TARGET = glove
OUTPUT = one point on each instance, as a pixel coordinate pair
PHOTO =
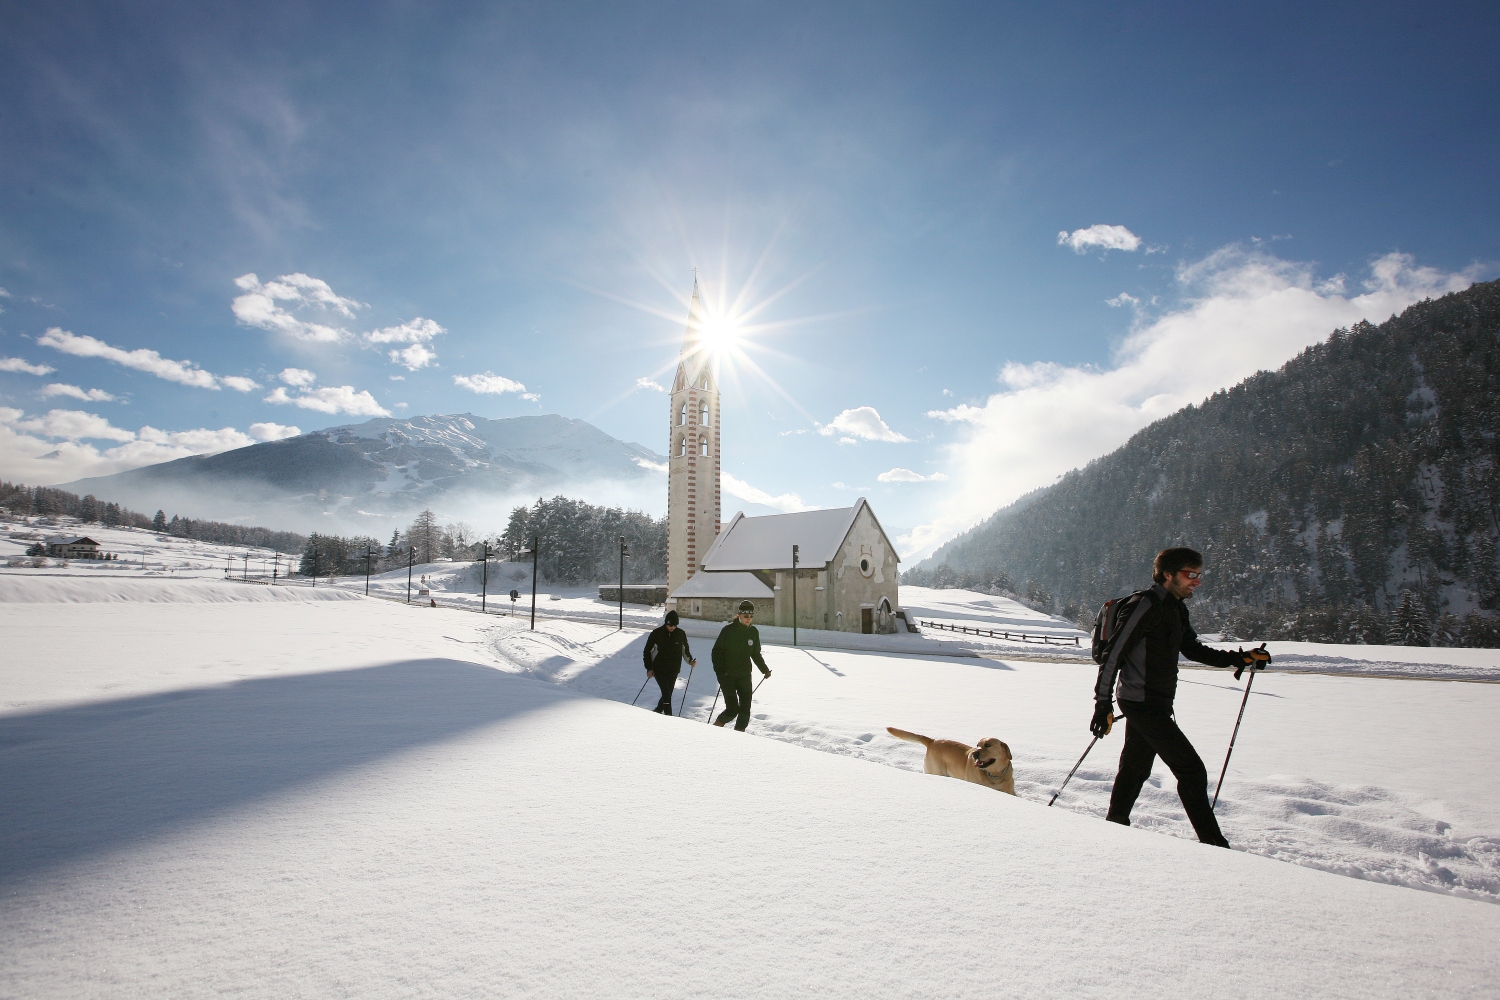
(1104, 720)
(1255, 659)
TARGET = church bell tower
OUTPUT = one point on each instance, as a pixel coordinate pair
(693, 453)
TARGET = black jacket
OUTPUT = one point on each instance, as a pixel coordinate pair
(1145, 655)
(666, 650)
(736, 646)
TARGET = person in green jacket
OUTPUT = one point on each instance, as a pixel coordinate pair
(738, 644)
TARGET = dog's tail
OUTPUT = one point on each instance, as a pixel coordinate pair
(902, 734)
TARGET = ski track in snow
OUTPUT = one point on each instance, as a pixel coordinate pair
(1360, 831)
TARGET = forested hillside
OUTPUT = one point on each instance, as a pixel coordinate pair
(1361, 477)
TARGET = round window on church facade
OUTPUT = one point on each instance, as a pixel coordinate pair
(865, 567)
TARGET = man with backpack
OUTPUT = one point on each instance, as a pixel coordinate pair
(1137, 642)
(666, 648)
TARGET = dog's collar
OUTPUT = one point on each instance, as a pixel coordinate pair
(1001, 776)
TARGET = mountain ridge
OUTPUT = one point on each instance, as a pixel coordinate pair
(1360, 478)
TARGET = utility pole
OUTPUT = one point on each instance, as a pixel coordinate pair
(275, 567)
(368, 553)
(411, 555)
(315, 567)
(794, 595)
(623, 553)
(245, 574)
(484, 585)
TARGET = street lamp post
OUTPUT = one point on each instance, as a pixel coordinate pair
(794, 595)
(484, 585)
(534, 547)
(411, 557)
(368, 553)
(623, 553)
(245, 574)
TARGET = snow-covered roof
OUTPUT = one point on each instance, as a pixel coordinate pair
(766, 542)
(70, 540)
(707, 584)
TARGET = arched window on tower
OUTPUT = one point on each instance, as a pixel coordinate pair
(703, 446)
(703, 414)
(681, 447)
(705, 381)
(682, 415)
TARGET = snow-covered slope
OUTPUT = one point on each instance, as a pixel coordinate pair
(362, 799)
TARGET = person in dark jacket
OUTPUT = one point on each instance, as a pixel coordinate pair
(666, 648)
(1141, 671)
(738, 644)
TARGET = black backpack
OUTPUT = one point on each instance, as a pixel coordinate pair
(1110, 620)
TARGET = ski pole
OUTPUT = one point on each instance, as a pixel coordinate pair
(1073, 772)
(685, 687)
(1234, 735)
(757, 686)
(715, 704)
(643, 687)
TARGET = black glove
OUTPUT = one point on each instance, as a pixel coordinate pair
(1255, 659)
(1104, 720)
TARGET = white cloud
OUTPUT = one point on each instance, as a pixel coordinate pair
(862, 422)
(899, 475)
(297, 377)
(30, 452)
(646, 383)
(71, 424)
(1241, 312)
(331, 399)
(273, 432)
(1123, 299)
(87, 395)
(648, 464)
(183, 372)
(491, 384)
(789, 503)
(1103, 237)
(413, 331)
(239, 383)
(414, 357)
(22, 365)
(261, 307)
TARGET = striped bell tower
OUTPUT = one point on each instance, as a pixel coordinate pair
(693, 454)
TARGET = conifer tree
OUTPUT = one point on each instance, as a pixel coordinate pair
(1410, 623)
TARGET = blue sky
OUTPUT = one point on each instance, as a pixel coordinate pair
(889, 182)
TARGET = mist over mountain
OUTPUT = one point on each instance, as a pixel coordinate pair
(367, 477)
(1352, 492)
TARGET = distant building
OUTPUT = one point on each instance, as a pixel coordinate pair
(73, 547)
(847, 572)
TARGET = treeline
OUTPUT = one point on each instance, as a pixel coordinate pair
(1361, 476)
(577, 543)
(45, 501)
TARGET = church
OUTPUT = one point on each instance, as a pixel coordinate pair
(839, 563)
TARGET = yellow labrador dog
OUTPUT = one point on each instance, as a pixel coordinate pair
(987, 764)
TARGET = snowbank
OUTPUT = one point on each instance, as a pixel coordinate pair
(31, 589)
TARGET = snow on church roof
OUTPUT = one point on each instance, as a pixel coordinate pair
(706, 584)
(766, 542)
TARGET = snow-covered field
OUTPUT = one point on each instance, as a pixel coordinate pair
(141, 553)
(312, 795)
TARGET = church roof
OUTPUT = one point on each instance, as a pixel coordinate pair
(766, 542)
(707, 584)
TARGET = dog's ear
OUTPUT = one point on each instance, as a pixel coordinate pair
(1005, 746)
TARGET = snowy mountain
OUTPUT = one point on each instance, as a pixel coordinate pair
(369, 475)
(1365, 469)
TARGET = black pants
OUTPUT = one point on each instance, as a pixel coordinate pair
(1151, 733)
(667, 681)
(737, 691)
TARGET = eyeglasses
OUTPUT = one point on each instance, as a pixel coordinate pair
(1192, 574)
